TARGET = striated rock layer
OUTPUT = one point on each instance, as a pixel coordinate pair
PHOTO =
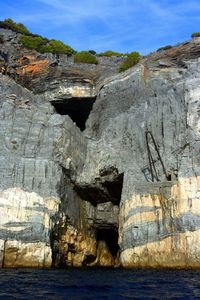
(123, 190)
(25, 222)
(159, 219)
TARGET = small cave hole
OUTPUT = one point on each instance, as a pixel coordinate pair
(77, 108)
(114, 188)
(89, 259)
(110, 237)
(169, 177)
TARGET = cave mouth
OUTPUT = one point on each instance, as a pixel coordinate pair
(106, 188)
(77, 108)
(110, 237)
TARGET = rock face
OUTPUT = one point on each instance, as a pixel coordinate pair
(24, 228)
(99, 168)
(158, 221)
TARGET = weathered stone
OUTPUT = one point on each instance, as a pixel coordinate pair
(58, 75)
(34, 255)
(152, 228)
(104, 257)
(25, 219)
(135, 168)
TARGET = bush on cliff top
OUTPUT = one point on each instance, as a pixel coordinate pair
(110, 53)
(31, 42)
(17, 27)
(44, 45)
(37, 42)
(92, 52)
(196, 34)
(60, 48)
(164, 48)
(132, 59)
(85, 57)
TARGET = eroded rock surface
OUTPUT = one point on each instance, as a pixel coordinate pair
(25, 223)
(36, 145)
(125, 189)
(158, 221)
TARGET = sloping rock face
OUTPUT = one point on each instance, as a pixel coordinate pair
(33, 144)
(24, 228)
(58, 75)
(44, 220)
(123, 190)
(148, 124)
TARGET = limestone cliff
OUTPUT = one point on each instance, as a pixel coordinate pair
(96, 167)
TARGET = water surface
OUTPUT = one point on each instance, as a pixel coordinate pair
(99, 284)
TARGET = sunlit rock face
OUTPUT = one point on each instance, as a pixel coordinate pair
(158, 221)
(33, 153)
(57, 75)
(161, 228)
(98, 171)
(78, 249)
(25, 223)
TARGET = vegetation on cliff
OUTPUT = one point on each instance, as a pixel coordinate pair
(132, 59)
(164, 48)
(36, 42)
(195, 34)
(44, 45)
(85, 57)
(17, 27)
(110, 53)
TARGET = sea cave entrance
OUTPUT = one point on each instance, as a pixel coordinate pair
(104, 193)
(110, 237)
(77, 108)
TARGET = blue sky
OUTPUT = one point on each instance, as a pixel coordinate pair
(119, 25)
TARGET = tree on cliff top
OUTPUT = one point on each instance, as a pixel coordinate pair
(132, 59)
(85, 57)
(195, 34)
(110, 53)
(44, 45)
(35, 41)
(17, 27)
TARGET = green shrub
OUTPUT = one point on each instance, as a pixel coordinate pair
(44, 45)
(92, 52)
(110, 53)
(132, 59)
(164, 48)
(35, 41)
(17, 27)
(21, 28)
(45, 48)
(195, 34)
(85, 57)
(32, 42)
(60, 48)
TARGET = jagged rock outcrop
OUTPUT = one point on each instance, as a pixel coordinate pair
(30, 162)
(24, 228)
(41, 153)
(122, 190)
(56, 75)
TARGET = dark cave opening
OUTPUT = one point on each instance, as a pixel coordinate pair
(110, 237)
(114, 188)
(77, 108)
(103, 189)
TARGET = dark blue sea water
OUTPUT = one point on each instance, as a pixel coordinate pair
(99, 284)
